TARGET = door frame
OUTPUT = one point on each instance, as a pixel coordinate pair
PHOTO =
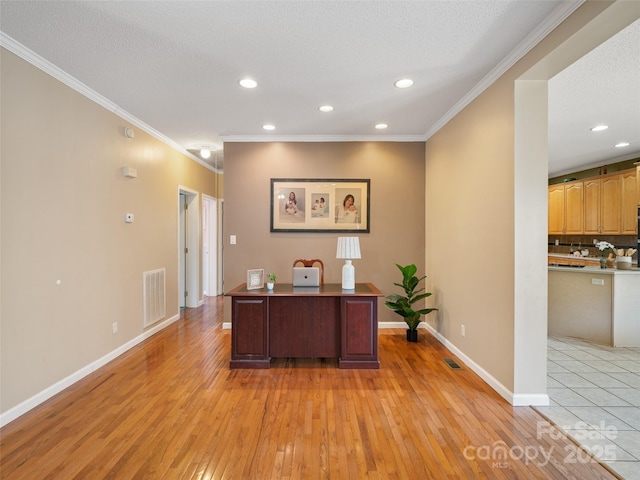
(193, 234)
(210, 256)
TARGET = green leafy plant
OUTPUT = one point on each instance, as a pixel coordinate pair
(272, 277)
(403, 304)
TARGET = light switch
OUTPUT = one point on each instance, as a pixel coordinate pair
(232, 239)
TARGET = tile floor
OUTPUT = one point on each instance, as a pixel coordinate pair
(594, 396)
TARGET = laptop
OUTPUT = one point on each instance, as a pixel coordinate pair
(306, 276)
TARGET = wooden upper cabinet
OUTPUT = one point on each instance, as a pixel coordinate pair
(611, 204)
(630, 195)
(638, 184)
(592, 207)
(607, 204)
(556, 209)
(573, 208)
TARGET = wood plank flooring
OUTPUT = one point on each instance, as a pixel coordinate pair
(170, 408)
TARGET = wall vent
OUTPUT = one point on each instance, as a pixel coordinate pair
(452, 364)
(153, 296)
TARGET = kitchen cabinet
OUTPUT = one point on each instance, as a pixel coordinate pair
(574, 208)
(638, 184)
(609, 205)
(592, 210)
(556, 209)
(630, 195)
(566, 208)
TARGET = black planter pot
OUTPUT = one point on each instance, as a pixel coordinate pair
(412, 335)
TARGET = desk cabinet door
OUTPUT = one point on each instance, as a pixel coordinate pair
(359, 330)
(249, 330)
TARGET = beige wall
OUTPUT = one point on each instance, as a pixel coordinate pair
(63, 205)
(486, 183)
(396, 171)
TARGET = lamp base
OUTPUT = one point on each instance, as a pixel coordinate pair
(348, 276)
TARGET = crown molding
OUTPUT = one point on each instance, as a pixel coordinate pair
(596, 164)
(551, 22)
(321, 138)
(47, 67)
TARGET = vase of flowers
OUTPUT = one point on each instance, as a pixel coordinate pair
(604, 247)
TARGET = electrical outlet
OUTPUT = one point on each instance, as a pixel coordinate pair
(462, 332)
(114, 327)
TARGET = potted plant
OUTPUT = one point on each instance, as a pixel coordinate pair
(403, 304)
(272, 279)
(604, 247)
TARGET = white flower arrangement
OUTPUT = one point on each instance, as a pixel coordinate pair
(604, 246)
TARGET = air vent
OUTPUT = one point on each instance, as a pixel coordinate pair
(452, 364)
(153, 296)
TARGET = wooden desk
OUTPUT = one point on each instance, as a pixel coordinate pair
(323, 322)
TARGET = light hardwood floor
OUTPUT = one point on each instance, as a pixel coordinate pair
(170, 408)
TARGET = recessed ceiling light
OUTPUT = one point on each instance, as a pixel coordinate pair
(404, 83)
(269, 127)
(621, 144)
(381, 126)
(205, 152)
(599, 128)
(248, 83)
(326, 108)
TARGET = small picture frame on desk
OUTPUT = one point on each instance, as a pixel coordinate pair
(255, 279)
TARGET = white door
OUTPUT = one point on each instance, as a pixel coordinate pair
(182, 250)
(210, 245)
(189, 292)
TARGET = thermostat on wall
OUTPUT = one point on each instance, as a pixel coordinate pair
(129, 172)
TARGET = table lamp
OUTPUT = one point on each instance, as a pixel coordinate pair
(348, 248)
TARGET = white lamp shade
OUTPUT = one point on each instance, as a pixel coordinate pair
(348, 247)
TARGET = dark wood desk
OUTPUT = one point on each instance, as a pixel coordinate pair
(322, 322)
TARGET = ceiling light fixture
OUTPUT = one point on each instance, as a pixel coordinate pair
(248, 83)
(404, 83)
(381, 126)
(326, 108)
(621, 144)
(269, 127)
(205, 152)
(599, 128)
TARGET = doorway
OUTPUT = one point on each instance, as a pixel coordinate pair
(209, 246)
(188, 248)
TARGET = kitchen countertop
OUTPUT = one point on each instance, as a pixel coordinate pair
(566, 255)
(596, 269)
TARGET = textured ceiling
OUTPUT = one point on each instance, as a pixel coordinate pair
(603, 87)
(174, 65)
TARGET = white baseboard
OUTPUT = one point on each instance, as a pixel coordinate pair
(530, 400)
(40, 397)
(517, 400)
